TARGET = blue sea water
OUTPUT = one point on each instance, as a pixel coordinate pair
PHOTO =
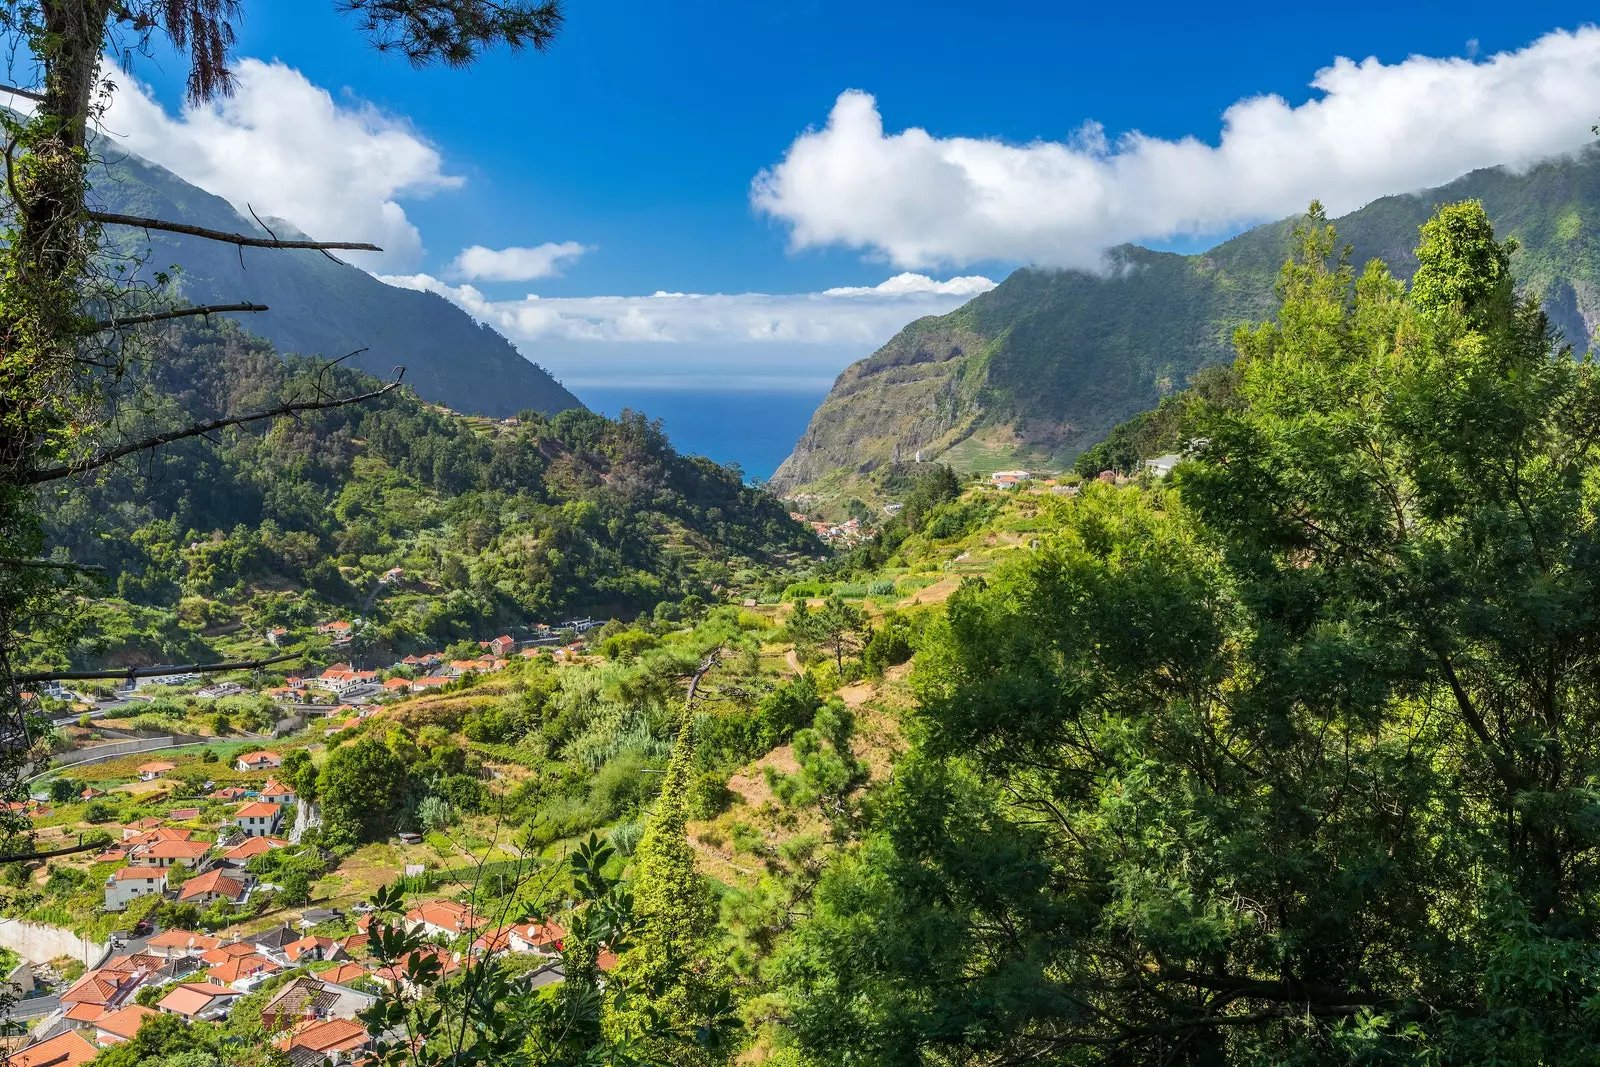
(754, 428)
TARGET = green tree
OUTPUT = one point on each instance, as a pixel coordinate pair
(1288, 762)
(363, 788)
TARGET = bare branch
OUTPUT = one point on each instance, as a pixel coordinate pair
(110, 455)
(25, 93)
(240, 239)
(178, 313)
(154, 672)
(10, 561)
(28, 857)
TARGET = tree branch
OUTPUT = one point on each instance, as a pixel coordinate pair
(100, 459)
(178, 313)
(26, 93)
(243, 240)
(50, 564)
(154, 672)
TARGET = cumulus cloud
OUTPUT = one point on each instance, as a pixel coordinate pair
(335, 169)
(860, 316)
(1373, 129)
(482, 264)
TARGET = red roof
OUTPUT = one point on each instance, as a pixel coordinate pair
(178, 849)
(123, 874)
(97, 987)
(125, 1022)
(259, 809)
(242, 967)
(344, 973)
(70, 1049)
(191, 998)
(182, 939)
(260, 757)
(253, 846)
(448, 915)
(212, 882)
(331, 1035)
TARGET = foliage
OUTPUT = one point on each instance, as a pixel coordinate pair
(1290, 762)
(364, 788)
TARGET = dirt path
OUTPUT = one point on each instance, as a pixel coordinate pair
(793, 661)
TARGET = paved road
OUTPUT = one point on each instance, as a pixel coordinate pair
(34, 1007)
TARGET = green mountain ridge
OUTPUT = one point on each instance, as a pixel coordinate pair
(319, 305)
(1048, 362)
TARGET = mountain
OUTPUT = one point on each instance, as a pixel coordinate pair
(431, 526)
(1046, 363)
(321, 306)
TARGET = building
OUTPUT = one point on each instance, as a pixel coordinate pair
(149, 772)
(242, 853)
(543, 938)
(70, 1049)
(398, 686)
(243, 972)
(164, 854)
(275, 792)
(258, 761)
(107, 988)
(276, 636)
(1162, 466)
(121, 1025)
(345, 973)
(338, 1041)
(129, 883)
(170, 943)
(214, 885)
(199, 1001)
(258, 818)
(1008, 479)
(443, 918)
(501, 646)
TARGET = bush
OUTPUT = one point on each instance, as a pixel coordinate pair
(710, 796)
(99, 811)
(63, 790)
(625, 836)
(881, 587)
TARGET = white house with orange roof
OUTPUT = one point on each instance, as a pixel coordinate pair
(214, 885)
(198, 1001)
(443, 918)
(275, 792)
(258, 761)
(258, 818)
(127, 884)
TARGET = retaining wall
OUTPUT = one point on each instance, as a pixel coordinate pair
(40, 942)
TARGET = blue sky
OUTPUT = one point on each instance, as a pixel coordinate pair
(638, 136)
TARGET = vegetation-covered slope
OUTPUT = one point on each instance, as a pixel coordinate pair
(319, 306)
(493, 524)
(1048, 362)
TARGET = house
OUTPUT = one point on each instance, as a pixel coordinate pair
(399, 686)
(149, 772)
(1162, 466)
(275, 792)
(272, 941)
(427, 659)
(345, 973)
(277, 635)
(172, 943)
(223, 953)
(393, 977)
(69, 1049)
(294, 681)
(1008, 479)
(443, 918)
(108, 987)
(143, 826)
(336, 1040)
(164, 854)
(432, 681)
(199, 1001)
(243, 972)
(121, 1025)
(242, 853)
(230, 792)
(500, 647)
(258, 761)
(212, 886)
(258, 818)
(183, 814)
(300, 1001)
(543, 938)
(127, 883)
(340, 631)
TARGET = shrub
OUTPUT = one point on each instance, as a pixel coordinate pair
(881, 587)
(710, 796)
(99, 811)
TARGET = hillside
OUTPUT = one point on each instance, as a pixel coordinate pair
(320, 306)
(1049, 361)
(494, 524)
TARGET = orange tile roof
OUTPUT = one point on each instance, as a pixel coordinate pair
(158, 767)
(96, 987)
(253, 846)
(191, 998)
(125, 1022)
(70, 1049)
(295, 949)
(257, 757)
(212, 882)
(448, 915)
(344, 973)
(139, 873)
(241, 967)
(330, 1036)
(183, 939)
(187, 850)
(85, 1013)
(231, 951)
(260, 809)
(275, 788)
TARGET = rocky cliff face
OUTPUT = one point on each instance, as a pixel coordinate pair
(1045, 364)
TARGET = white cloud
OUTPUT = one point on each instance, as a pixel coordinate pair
(860, 316)
(925, 201)
(285, 147)
(514, 264)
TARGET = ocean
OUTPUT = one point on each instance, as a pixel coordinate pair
(754, 428)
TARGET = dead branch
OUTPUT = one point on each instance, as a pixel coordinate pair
(10, 561)
(26, 93)
(29, 857)
(178, 313)
(110, 455)
(153, 672)
(240, 239)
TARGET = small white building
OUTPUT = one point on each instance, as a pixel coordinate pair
(1162, 466)
(129, 883)
(258, 819)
